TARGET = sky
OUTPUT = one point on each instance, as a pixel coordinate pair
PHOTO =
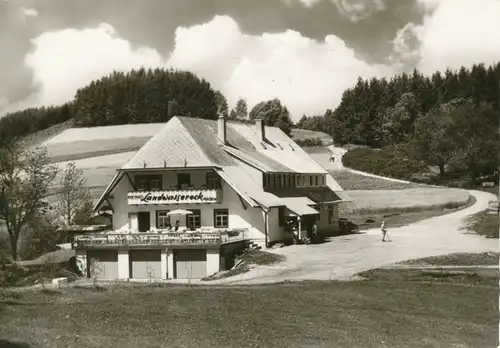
(304, 52)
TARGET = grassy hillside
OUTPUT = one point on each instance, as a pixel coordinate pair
(302, 134)
(40, 137)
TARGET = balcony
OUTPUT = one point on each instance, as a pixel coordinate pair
(214, 237)
(187, 196)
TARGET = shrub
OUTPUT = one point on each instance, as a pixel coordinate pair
(390, 161)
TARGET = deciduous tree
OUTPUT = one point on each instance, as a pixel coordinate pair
(73, 197)
(274, 113)
(25, 177)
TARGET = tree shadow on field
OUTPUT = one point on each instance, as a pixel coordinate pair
(9, 344)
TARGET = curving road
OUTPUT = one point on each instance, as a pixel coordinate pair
(342, 257)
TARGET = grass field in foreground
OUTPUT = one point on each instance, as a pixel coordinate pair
(358, 314)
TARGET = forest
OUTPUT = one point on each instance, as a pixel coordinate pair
(140, 96)
(449, 120)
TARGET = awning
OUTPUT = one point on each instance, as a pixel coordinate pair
(299, 205)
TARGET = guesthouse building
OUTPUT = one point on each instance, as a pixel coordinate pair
(201, 189)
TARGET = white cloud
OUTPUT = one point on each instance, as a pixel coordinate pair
(454, 33)
(307, 75)
(66, 60)
(28, 12)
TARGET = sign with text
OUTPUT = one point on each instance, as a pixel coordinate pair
(173, 197)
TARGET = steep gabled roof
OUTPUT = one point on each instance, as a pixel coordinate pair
(173, 146)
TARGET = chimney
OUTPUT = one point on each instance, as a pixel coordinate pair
(221, 129)
(261, 128)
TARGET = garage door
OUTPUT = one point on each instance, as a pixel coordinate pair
(190, 263)
(145, 264)
(103, 263)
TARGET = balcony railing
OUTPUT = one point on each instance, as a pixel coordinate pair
(159, 238)
(175, 196)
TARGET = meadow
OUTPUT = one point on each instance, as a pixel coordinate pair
(407, 200)
(390, 308)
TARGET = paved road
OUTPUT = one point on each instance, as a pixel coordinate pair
(342, 257)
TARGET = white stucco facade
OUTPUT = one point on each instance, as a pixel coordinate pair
(241, 215)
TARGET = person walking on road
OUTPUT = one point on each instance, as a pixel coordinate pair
(383, 227)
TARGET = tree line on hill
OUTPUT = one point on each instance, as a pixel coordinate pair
(141, 96)
(447, 120)
(400, 113)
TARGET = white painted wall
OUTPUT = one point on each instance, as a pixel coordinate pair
(274, 231)
(213, 261)
(123, 264)
(239, 216)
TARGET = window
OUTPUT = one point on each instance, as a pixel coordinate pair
(283, 180)
(148, 182)
(221, 218)
(281, 216)
(316, 180)
(311, 180)
(305, 182)
(289, 180)
(155, 184)
(323, 179)
(278, 180)
(213, 181)
(264, 180)
(162, 219)
(194, 220)
(299, 180)
(183, 180)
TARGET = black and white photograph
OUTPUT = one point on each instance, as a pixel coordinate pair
(249, 174)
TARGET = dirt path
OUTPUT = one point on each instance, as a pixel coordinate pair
(344, 256)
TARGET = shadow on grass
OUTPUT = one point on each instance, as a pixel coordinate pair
(49, 291)
(10, 344)
(94, 288)
(483, 224)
